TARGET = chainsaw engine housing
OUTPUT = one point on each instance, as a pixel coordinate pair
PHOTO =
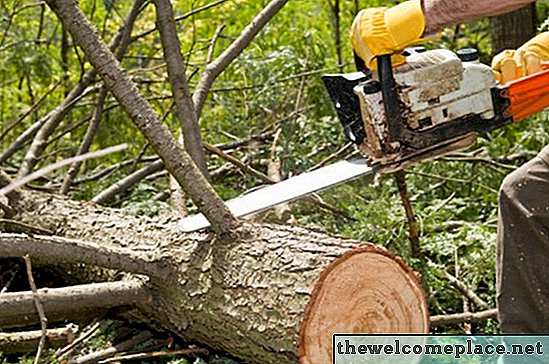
(440, 101)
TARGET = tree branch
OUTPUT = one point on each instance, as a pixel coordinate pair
(39, 308)
(57, 250)
(176, 160)
(185, 111)
(126, 182)
(456, 318)
(61, 304)
(40, 140)
(230, 54)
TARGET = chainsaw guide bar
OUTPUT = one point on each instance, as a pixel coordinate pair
(288, 190)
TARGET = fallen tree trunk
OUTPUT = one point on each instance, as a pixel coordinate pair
(257, 298)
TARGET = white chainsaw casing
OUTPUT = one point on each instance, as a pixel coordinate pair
(437, 87)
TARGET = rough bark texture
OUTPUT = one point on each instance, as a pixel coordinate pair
(510, 31)
(247, 297)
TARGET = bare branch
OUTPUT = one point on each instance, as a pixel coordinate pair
(52, 167)
(86, 142)
(456, 318)
(113, 350)
(176, 160)
(127, 182)
(74, 302)
(26, 342)
(185, 110)
(182, 17)
(467, 292)
(57, 250)
(39, 309)
(156, 354)
(238, 163)
(230, 54)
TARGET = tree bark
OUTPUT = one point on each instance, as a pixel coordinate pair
(511, 30)
(263, 294)
(185, 110)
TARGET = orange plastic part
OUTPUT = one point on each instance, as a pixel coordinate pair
(529, 94)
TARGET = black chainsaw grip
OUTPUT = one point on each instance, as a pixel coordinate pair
(390, 95)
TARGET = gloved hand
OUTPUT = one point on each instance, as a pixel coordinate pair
(512, 64)
(377, 31)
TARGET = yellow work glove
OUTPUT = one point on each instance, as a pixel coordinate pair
(377, 31)
(512, 64)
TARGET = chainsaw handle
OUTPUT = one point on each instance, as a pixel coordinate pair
(389, 93)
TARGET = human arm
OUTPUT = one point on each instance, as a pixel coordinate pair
(441, 13)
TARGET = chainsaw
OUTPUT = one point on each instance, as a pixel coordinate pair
(434, 104)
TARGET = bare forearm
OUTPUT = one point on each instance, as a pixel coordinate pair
(441, 13)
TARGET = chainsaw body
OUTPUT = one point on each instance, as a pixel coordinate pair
(434, 104)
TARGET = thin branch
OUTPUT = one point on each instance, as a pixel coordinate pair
(65, 351)
(113, 350)
(185, 110)
(467, 292)
(39, 309)
(181, 17)
(52, 167)
(68, 303)
(175, 158)
(211, 49)
(230, 54)
(456, 318)
(155, 354)
(413, 229)
(87, 141)
(31, 110)
(58, 250)
(243, 166)
(126, 182)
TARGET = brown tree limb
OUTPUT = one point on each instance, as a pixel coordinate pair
(26, 342)
(58, 250)
(21, 140)
(413, 229)
(230, 54)
(185, 111)
(126, 182)
(238, 163)
(86, 142)
(56, 116)
(42, 172)
(155, 354)
(66, 350)
(467, 292)
(39, 308)
(68, 303)
(440, 320)
(113, 350)
(176, 160)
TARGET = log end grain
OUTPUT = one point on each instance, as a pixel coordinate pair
(367, 290)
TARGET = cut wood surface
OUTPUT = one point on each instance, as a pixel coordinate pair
(368, 290)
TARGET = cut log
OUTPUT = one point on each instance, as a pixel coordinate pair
(368, 290)
(251, 297)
